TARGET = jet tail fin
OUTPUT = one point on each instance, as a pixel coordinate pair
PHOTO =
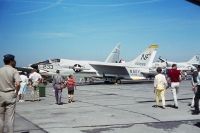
(113, 57)
(145, 59)
(195, 59)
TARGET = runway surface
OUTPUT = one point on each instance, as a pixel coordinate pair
(124, 108)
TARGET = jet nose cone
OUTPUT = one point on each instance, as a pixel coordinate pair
(35, 66)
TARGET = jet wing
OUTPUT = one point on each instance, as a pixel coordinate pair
(110, 70)
(121, 72)
(149, 75)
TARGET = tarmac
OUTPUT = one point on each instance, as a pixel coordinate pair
(122, 108)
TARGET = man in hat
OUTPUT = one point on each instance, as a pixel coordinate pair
(197, 93)
(9, 87)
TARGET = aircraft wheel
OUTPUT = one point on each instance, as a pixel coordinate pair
(106, 82)
(118, 81)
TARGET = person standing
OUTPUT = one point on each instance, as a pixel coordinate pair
(23, 86)
(35, 78)
(160, 84)
(58, 85)
(174, 76)
(9, 87)
(194, 84)
(71, 84)
(197, 93)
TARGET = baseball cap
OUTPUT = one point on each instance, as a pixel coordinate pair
(9, 57)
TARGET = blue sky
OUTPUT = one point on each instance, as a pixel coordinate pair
(35, 30)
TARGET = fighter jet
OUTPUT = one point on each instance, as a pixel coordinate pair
(137, 69)
(183, 66)
(67, 66)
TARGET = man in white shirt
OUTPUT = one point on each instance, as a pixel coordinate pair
(35, 79)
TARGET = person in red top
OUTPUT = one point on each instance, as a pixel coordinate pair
(71, 84)
(174, 77)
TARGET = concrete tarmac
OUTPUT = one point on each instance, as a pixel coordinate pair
(124, 108)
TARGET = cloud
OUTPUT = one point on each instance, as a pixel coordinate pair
(114, 5)
(55, 34)
(58, 2)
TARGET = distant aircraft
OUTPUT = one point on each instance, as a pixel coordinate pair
(67, 66)
(114, 56)
(137, 69)
(183, 66)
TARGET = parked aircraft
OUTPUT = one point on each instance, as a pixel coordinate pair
(67, 66)
(137, 69)
(24, 69)
(183, 66)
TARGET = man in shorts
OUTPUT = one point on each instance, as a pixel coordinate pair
(71, 84)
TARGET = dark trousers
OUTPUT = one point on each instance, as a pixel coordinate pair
(58, 95)
(196, 99)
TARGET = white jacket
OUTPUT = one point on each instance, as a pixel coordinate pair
(160, 78)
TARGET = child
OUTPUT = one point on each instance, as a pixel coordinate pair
(71, 84)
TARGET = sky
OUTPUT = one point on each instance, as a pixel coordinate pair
(36, 30)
